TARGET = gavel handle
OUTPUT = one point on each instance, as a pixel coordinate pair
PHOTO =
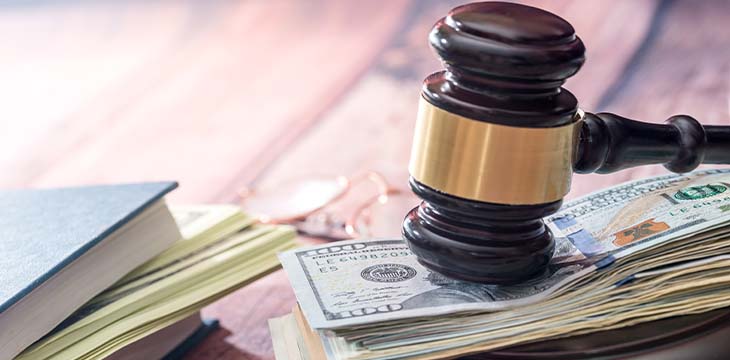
(609, 143)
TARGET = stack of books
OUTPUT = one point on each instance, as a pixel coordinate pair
(113, 272)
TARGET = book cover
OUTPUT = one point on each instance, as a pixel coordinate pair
(42, 231)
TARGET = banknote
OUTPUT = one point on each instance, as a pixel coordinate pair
(221, 253)
(360, 282)
(680, 290)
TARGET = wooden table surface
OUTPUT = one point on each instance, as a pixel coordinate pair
(220, 94)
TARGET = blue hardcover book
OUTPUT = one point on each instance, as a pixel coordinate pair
(61, 247)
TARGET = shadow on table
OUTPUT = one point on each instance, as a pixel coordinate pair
(215, 346)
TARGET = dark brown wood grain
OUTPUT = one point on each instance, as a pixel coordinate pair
(609, 143)
(219, 94)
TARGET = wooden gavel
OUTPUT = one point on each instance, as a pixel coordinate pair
(497, 140)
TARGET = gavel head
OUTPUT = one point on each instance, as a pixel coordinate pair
(494, 142)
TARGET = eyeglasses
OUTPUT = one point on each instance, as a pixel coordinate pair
(333, 207)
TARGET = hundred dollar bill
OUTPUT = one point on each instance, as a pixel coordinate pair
(360, 282)
(681, 290)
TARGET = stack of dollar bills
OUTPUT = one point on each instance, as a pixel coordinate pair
(221, 251)
(637, 252)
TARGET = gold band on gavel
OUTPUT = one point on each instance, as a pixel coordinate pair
(492, 163)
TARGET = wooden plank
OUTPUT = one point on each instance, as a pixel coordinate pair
(175, 90)
(245, 315)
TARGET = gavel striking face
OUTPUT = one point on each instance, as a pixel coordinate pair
(497, 140)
